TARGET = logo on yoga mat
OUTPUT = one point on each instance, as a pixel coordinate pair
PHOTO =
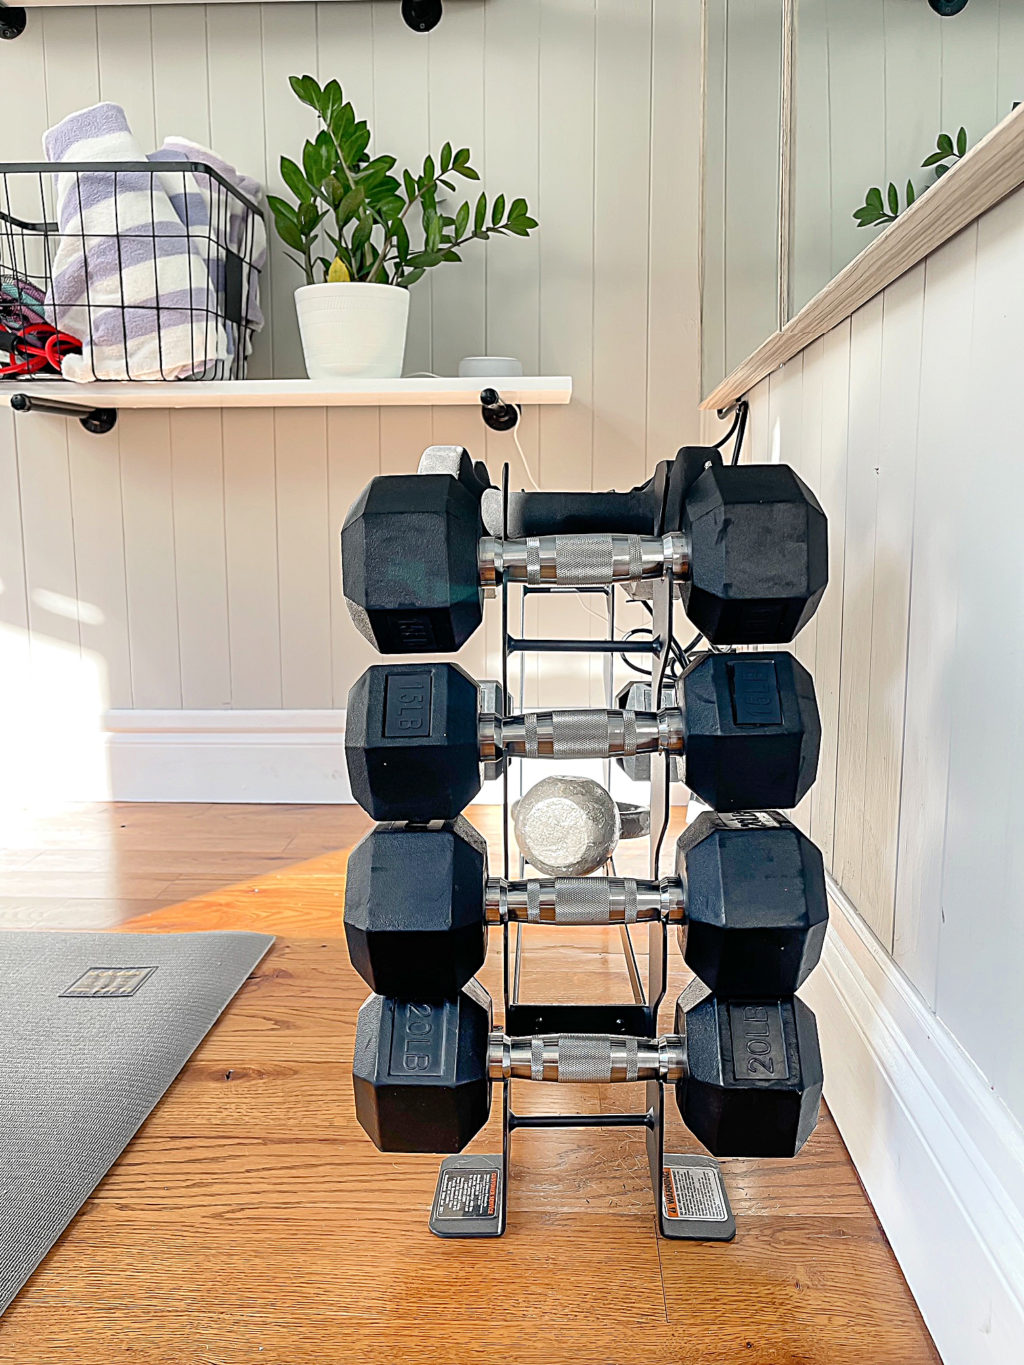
(107, 983)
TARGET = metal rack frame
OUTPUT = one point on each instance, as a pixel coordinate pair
(640, 1015)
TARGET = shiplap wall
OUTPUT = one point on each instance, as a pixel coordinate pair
(898, 418)
(189, 560)
(740, 241)
(874, 84)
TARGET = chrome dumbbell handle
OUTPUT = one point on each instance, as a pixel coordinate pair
(583, 900)
(581, 560)
(581, 734)
(591, 1058)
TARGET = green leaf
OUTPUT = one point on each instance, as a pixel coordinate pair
(518, 209)
(361, 236)
(295, 180)
(412, 277)
(428, 168)
(432, 231)
(350, 205)
(307, 90)
(945, 143)
(402, 241)
(940, 171)
(874, 198)
(410, 186)
(282, 209)
(452, 256)
(481, 212)
(894, 199)
(356, 143)
(310, 218)
(498, 210)
(446, 157)
(289, 233)
(462, 219)
(331, 101)
(961, 142)
(911, 193)
(467, 171)
(934, 159)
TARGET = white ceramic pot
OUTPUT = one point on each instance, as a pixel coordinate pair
(353, 330)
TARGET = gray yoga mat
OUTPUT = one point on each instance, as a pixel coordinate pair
(93, 1029)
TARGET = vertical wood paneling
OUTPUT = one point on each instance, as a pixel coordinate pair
(148, 500)
(250, 546)
(238, 122)
(981, 948)
(945, 431)
(287, 48)
(673, 305)
(402, 128)
(754, 47)
(858, 594)
(459, 292)
(98, 520)
(181, 103)
(197, 480)
(353, 458)
(621, 240)
(811, 248)
(914, 78)
(856, 42)
(305, 563)
(124, 45)
(828, 658)
(713, 239)
(970, 66)
(896, 456)
(1010, 56)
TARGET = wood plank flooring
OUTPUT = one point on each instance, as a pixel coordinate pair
(252, 1221)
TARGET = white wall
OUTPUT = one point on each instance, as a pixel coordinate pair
(741, 150)
(901, 419)
(189, 560)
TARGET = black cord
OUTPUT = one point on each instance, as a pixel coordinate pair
(738, 428)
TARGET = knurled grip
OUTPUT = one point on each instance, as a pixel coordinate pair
(586, 1058)
(583, 900)
(580, 734)
(586, 559)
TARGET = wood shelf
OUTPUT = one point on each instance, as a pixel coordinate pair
(303, 393)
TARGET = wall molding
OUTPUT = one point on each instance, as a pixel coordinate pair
(940, 1156)
(231, 756)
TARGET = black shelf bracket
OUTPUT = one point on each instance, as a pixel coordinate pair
(12, 21)
(96, 420)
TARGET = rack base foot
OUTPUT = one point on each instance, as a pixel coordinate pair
(470, 1197)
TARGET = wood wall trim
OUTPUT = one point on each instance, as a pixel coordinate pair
(987, 174)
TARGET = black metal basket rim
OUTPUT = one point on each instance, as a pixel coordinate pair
(113, 167)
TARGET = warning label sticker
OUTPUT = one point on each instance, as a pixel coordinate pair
(467, 1194)
(694, 1193)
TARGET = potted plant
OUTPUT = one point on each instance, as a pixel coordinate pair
(363, 234)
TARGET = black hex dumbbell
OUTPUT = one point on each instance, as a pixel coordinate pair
(748, 898)
(749, 550)
(747, 727)
(747, 1073)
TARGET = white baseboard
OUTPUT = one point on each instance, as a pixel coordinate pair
(231, 756)
(264, 756)
(939, 1155)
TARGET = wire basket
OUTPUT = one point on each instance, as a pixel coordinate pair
(152, 266)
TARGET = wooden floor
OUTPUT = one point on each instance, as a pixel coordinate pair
(252, 1221)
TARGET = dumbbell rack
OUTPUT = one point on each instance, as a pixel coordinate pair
(684, 1187)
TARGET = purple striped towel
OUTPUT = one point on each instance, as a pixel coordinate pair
(127, 277)
(222, 223)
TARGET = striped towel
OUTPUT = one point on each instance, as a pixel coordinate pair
(127, 278)
(223, 225)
